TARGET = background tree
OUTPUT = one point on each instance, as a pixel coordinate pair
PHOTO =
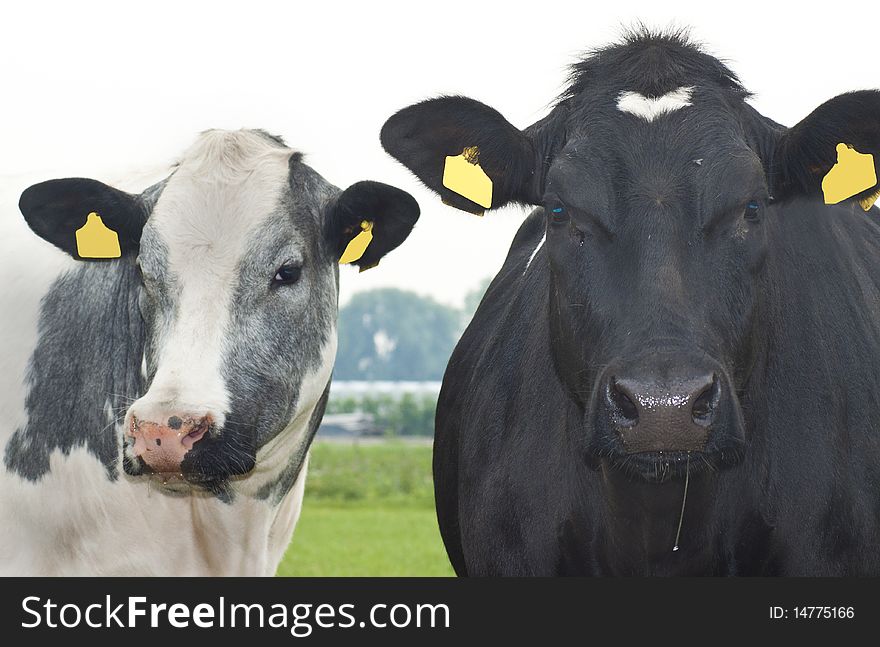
(392, 334)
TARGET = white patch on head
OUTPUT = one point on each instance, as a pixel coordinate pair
(535, 252)
(224, 187)
(649, 108)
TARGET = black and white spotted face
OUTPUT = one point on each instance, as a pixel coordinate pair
(236, 255)
(239, 301)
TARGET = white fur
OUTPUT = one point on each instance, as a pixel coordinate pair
(74, 520)
(205, 217)
(535, 252)
(650, 108)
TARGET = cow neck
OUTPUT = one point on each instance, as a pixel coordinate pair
(644, 519)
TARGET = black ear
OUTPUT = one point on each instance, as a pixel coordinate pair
(806, 153)
(386, 211)
(423, 135)
(56, 209)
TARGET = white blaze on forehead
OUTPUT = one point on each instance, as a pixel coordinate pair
(226, 185)
(649, 108)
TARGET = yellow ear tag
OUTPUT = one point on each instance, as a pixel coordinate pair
(463, 175)
(853, 173)
(358, 245)
(95, 240)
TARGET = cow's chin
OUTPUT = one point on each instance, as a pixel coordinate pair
(171, 483)
(185, 482)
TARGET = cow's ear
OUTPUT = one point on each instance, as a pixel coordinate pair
(368, 220)
(842, 132)
(465, 151)
(85, 218)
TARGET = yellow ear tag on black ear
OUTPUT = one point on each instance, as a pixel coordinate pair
(853, 173)
(358, 245)
(96, 240)
(464, 175)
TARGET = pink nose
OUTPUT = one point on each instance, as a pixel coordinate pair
(162, 445)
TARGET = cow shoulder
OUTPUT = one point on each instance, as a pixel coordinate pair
(502, 408)
(516, 294)
(824, 279)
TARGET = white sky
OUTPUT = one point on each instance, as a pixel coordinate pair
(98, 88)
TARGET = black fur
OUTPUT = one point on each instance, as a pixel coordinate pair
(393, 213)
(55, 209)
(652, 64)
(423, 135)
(808, 151)
(653, 258)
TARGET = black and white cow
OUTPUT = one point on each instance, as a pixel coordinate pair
(677, 369)
(158, 408)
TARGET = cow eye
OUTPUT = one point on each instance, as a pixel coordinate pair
(557, 211)
(752, 211)
(287, 274)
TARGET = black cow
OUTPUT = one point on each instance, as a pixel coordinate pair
(677, 369)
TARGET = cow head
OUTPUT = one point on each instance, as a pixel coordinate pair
(237, 252)
(656, 181)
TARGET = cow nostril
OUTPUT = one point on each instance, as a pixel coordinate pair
(626, 409)
(704, 405)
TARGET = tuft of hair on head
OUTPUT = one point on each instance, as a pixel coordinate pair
(651, 62)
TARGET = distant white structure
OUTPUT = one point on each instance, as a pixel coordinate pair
(348, 424)
(357, 388)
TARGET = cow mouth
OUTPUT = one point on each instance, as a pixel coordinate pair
(194, 436)
(663, 466)
(205, 465)
(180, 482)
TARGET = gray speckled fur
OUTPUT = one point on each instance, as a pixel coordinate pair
(89, 352)
(276, 490)
(277, 337)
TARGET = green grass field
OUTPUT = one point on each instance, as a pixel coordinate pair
(368, 511)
